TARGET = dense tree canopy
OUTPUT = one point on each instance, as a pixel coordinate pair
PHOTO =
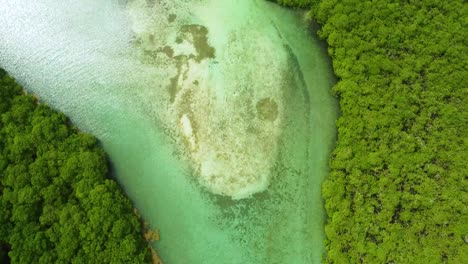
(57, 204)
(297, 3)
(398, 190)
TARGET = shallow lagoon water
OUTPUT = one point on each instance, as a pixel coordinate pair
(216, 115)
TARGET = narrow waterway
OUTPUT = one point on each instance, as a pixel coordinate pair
(216, 114)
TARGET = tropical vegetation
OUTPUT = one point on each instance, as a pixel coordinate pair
(398, 189)
(57, 203)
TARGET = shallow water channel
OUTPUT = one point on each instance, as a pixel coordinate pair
(216, 114)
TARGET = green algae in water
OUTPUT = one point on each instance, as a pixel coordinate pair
(216, 115)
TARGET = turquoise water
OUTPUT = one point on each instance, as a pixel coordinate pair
(216, 115)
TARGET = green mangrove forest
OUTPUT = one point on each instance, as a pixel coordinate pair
(397, 192)
(384, 179)
(57, 203)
